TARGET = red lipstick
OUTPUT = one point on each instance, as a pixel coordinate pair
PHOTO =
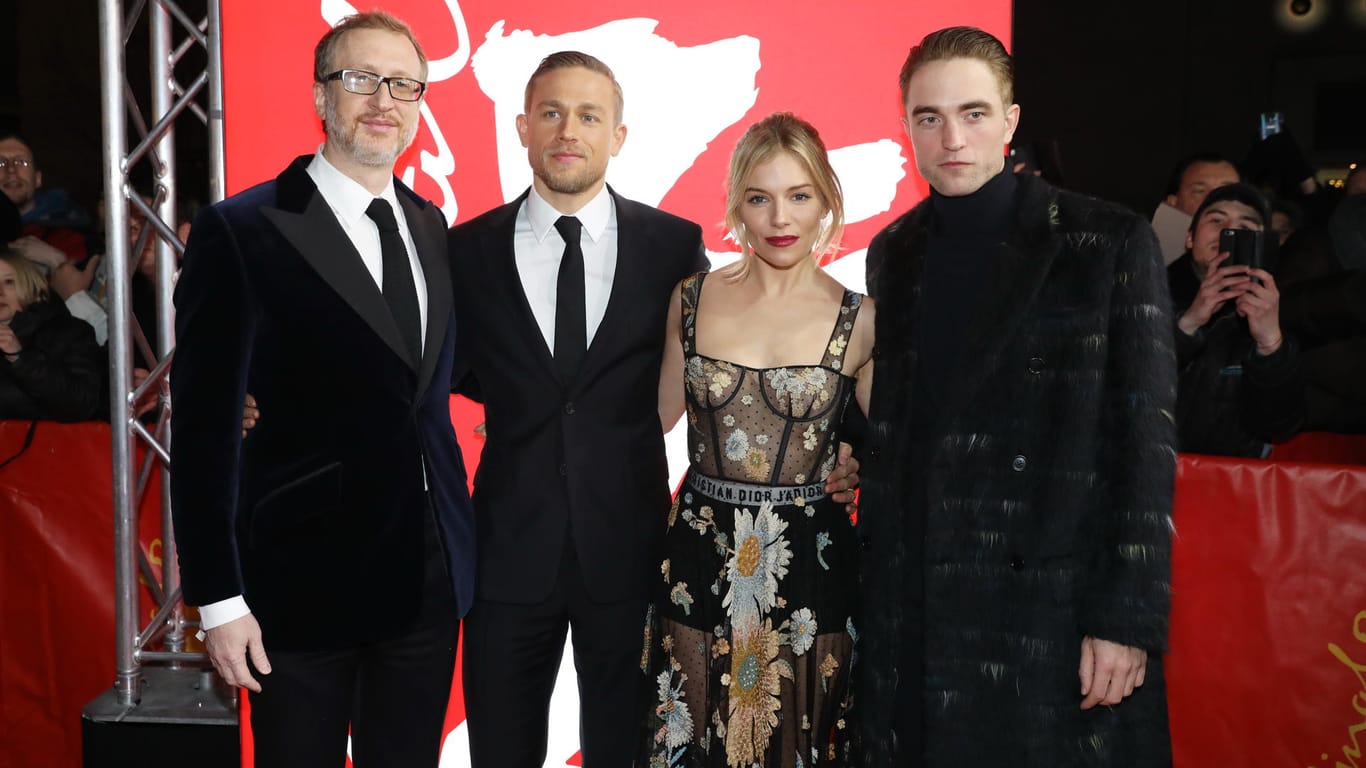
(781, 241)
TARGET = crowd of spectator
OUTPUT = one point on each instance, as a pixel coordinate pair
(1265, 351)
(54, 324)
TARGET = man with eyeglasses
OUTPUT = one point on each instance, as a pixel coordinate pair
(20, 179)
(330, 557)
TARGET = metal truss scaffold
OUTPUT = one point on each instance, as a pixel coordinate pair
(157, 648)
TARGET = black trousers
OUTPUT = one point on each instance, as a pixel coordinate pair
(512, 656)
(391, 694)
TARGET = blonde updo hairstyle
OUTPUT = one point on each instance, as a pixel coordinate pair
(783, 132)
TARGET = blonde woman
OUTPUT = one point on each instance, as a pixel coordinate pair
(50, 366)
(750, 638)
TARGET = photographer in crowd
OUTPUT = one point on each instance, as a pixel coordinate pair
(1241, 386)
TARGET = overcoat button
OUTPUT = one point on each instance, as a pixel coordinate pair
(1016, 562)
(564, 470)
(1019, 463)
(1036, 365)
(569, 409)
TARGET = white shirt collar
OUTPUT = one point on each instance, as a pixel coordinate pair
(595, 215)
(347, 198)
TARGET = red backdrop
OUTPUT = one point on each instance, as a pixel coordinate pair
(695, 75)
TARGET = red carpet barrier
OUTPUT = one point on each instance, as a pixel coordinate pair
(1268, 640)
(1268, 661)
(57, 587)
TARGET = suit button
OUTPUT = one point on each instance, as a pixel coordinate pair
(1036, 365)
(1016, 562)
(865, 543)
(1019, 463)
(569, 409)
(564, 470)
(874, 454)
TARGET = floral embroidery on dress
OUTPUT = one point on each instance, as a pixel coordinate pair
(756, 465)
(676, 728)
(756, 675)
(803, 632)
(837, 345)
(759, 560)
(751, 618)
(681, 598)
(737, 445)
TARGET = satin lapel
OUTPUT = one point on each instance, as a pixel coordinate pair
(1022, 266)
(632, 246)
(320, 240)
(429, 238)
(496, 246)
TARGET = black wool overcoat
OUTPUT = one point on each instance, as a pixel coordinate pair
(1045, 510)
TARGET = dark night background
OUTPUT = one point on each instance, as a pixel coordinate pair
(1125, 89)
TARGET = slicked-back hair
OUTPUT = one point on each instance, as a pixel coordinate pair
(568, 59)
(777, 133)
(962, 43)
(29, 282)
(326, 49)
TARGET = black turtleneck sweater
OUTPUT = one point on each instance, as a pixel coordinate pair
(966, 234)
(965, 240)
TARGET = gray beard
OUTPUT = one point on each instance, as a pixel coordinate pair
(368, 156)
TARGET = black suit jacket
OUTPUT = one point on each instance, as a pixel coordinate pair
(317, 517)
(583, 458)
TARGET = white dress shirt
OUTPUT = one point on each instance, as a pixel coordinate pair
(538, 248)
(348, 201)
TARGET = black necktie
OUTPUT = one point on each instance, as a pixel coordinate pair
(399, 291)
(571, 334)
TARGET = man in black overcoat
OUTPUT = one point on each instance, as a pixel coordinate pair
(1017, 492)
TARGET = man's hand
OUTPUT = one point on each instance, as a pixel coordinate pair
(9, 343)
(250, 413)
(1110, 671)
(230, 644)
(1260, 304)
(39, 252)
(68, 279)
(1220, 285)
(842, 481)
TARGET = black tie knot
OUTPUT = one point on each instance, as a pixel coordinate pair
(382, 214)
(569, 228)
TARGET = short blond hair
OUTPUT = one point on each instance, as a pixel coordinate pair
(327, 46)
(784, 132)
(962, 43)
(29, 282)
(568, 59)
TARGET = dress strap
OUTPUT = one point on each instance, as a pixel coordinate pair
(690, 292)
(843, 330)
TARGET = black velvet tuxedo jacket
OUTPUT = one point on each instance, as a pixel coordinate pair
(317, 516)
(582, 458)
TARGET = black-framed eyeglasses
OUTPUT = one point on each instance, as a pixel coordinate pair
(366, 83)
(20, 163)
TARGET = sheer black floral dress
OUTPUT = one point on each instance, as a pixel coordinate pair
(750, 640)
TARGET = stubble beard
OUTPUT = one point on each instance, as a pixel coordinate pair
(368, 154)
(567, 182)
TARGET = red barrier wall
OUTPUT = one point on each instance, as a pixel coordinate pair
(57, 586)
